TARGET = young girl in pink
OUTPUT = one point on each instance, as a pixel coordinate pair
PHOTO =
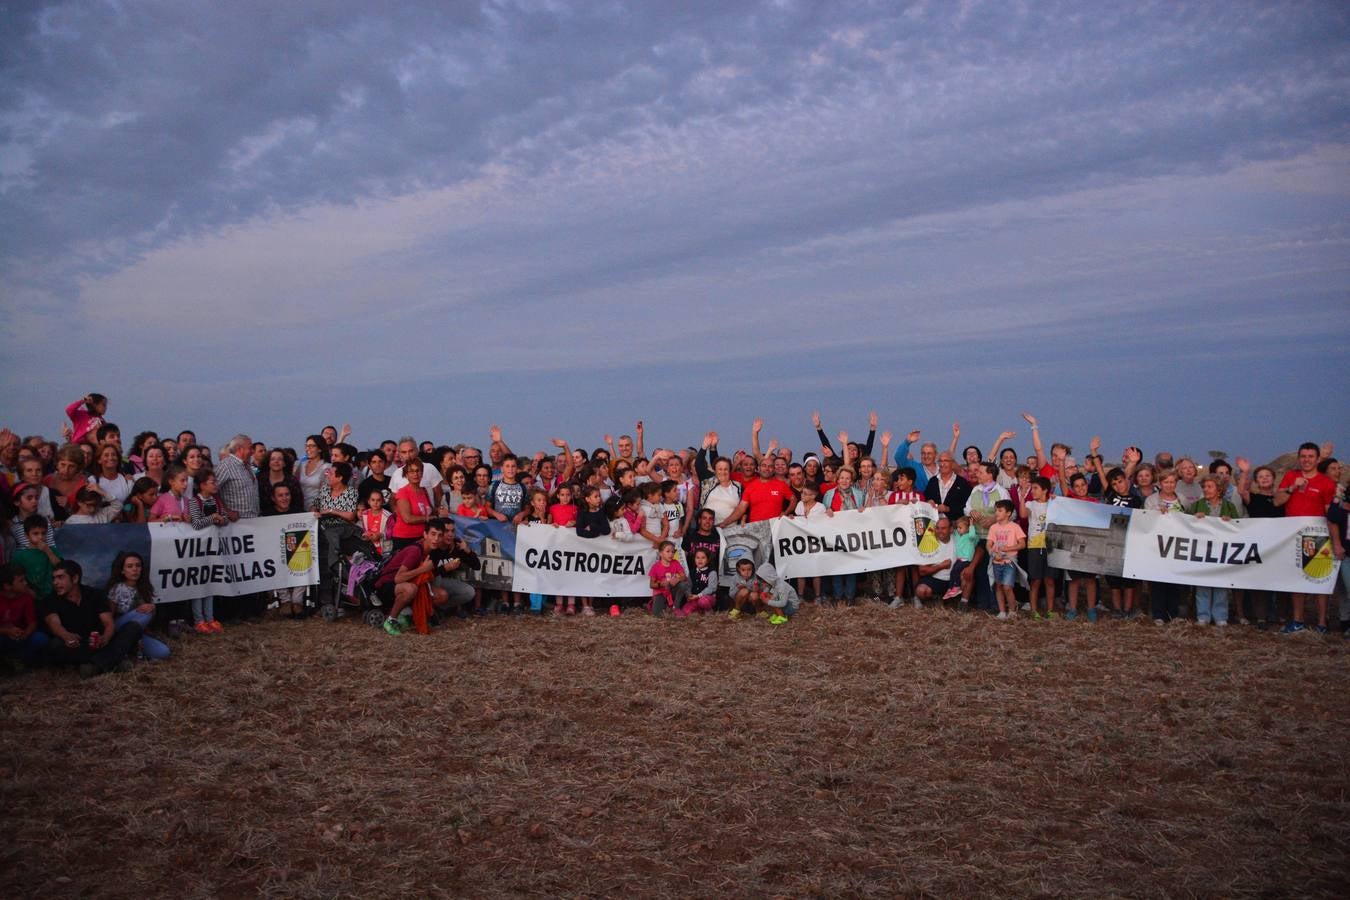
(669, 581)
(173, 505)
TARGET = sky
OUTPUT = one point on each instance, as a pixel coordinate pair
(561, 217)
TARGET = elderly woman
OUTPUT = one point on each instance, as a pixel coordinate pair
(337, 517)
(68, 478)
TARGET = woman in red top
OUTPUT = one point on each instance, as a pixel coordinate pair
(412, 508)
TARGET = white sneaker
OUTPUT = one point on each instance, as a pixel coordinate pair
(895, 604)
(1025, 607)
(1002, 617)
(1221, 624)
(1159, 622)
(918, 604)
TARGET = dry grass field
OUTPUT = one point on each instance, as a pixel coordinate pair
(851, 752)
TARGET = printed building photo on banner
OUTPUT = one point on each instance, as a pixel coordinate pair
(1090, 537)
(754, 540)
(495, 544)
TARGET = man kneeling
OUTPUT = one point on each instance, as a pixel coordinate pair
(407, 573)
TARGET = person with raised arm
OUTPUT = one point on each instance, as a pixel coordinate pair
(926, 467)
(1050, 465)
(626, 450)
(86, 415)
(861, 450)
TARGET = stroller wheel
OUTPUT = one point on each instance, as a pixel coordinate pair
(329, 612)
(374, 617)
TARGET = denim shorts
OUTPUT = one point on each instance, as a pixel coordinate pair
(1005, 574)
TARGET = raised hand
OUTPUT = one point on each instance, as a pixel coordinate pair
(638, 426)
(773, 445)
(1031, 420)
(815, 419)
(1244, 464)
(1095, 445)
(843, 440)
(872, 420)
(956, 429)
(560, 443)
(1007, 435)
(912, 436)
(609, 440)
(885, 439)
(715, 440)
(1327, 449)
(757, 425)
(495, 433)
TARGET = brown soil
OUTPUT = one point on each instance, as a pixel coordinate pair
(850, 752)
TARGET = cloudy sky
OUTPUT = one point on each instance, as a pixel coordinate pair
(1132, 219)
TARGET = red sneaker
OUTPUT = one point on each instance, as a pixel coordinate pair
(216, 627)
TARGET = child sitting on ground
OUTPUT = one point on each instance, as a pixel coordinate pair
(778, 594)
(745, 590)
(703, 584)
(669, 581)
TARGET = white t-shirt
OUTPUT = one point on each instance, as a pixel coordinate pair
(723, 499)
(430, 478)
(817, 511)
(118, 488)
(945, 551)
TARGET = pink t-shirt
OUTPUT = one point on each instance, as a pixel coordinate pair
(169, 505)
(1004, 535)
(660, 570)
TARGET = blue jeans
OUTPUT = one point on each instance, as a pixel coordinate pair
(1211, 603)
(27, 650)
(153, 647)
(844, 586)
(203, 609)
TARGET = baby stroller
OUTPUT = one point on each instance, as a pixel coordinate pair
(358, 566)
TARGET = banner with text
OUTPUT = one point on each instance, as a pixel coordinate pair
(866, 540)
(556, 561)
(1293, 554)
(243, 557)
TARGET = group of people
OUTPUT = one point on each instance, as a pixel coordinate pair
(400, 499)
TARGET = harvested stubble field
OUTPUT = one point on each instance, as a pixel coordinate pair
(852, 752)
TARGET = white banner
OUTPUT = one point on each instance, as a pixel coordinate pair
(1293, 554)
(244, 557)
(881, 537)
(556, 561)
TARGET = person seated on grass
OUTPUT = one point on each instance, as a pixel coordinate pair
(407, 571)
(779, 595)
(941, 578)
(131, 598)
(81, 626)
(669, 581)
(702, 582)
(21, 643)
(745, 590)
(451, 558)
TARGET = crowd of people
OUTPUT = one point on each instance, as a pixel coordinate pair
(400, 498)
